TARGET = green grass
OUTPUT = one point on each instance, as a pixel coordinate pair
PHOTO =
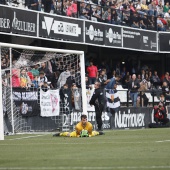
(118, 149)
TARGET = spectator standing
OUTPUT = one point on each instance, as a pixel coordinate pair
(46, 71)
(166, 7)
(35, 70)
(54, 80)
(98, 100)
(63, 77)
(34, 5)
(35, 82)
(92, 73)
(47, 5)
(42, 78)
(15, 78)
(133, 87)
(24, 79)
(142, 90)
(112, 82)
(102, 79)
(155, 80)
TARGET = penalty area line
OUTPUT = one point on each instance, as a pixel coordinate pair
(162, 141)
(84, 168)
(27, 137)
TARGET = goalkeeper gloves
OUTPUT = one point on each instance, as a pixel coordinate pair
(84, 133)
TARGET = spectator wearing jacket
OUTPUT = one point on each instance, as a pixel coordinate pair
(133, 87)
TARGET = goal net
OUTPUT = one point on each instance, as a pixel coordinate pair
(41, 88)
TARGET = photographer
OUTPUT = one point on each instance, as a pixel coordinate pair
(160, 116)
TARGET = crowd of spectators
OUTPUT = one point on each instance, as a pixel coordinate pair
(152, 15)
(61, 73)
(149, 80)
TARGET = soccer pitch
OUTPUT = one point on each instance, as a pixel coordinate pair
(117, 149)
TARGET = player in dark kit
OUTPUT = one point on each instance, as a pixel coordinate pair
(98, 100)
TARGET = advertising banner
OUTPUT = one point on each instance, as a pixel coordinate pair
(94, 33)
(113, 36)
(164, 41)
(18, 21)
(139, 39)
(131, 118)
(60, 28)
(5, 19)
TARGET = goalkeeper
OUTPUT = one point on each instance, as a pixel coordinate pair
(82, 129)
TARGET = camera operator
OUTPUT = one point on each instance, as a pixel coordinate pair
(160, 115)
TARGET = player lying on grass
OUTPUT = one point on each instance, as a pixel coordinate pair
(82, 129)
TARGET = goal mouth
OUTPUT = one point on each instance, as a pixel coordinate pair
(31, 71)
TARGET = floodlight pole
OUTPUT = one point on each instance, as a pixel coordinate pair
(1, 106)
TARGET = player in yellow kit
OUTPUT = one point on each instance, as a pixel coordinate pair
(82, 129)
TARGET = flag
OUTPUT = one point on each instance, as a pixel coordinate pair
(49, 103)
(113, 100)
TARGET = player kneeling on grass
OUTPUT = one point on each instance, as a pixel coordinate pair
(82, 129)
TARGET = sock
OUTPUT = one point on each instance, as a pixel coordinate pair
(64, 134)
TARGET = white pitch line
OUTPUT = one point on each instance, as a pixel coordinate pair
(26, 137)
(163, 141)
(69, 143)
(84, 168)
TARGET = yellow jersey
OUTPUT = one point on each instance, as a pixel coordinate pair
(79, 127)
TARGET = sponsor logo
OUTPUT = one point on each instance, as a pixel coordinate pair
(4, 23)
(145, 39)
(75, 117)
(129, 120)
(94, 34)
(22, 25)
(153, 45)
(114, 37)
(60, 27)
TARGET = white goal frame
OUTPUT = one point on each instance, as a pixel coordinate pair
(82, 67)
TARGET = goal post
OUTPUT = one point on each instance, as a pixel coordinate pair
(1, 106)
(42, 49)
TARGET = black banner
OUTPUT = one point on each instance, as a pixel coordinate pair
(94, 33)
(60, 28)
(132, 118)
(5, 19)
(139, 39)
(164, 41)
(113, 36)
(18, 21)
(26, 102)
